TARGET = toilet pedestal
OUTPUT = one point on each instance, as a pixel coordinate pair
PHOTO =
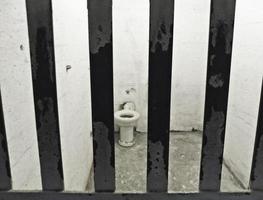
(126, 119)
(126, 136)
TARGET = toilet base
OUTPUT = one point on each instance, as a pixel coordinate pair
(126, 144)
(126, 136)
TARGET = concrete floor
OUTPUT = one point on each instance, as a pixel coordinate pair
(185, 148)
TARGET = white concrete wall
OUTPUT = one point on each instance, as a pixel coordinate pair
(71, 48)
(245, 86)
(191, 27)
(130, 55)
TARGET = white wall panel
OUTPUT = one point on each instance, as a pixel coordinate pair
(190, 50)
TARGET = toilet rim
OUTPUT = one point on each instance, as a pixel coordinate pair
(135, 115)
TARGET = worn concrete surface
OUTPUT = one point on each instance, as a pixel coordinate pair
(185, 148)
(130, 165)
(184, 166)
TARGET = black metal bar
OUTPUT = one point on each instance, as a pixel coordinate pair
(39, 14)
(256, 176)
(145, 196)
(160, 68)
(5, 174)
(217, 86)
(101, 67)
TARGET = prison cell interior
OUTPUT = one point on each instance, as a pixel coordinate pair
(40, 29)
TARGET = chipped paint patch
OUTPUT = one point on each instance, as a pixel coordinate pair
(157, 165)
(161, 24)
(216, 81)
(101, 25)
(48, 141)
(222, 22)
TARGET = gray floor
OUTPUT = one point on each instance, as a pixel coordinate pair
(185, 148)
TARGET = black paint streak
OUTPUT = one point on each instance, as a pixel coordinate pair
(160, 68)
(101, 66)
(145, 196)
(39, 13)
(5, 174)
(217, 86)
(256, 177)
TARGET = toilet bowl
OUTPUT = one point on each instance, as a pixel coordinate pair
(126, 119)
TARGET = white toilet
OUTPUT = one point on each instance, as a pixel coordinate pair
(127, 119)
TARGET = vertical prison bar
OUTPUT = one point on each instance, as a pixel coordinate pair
(5, 173)
(39, 14)
(101, 68)
(256, 177)
(160, 68)
(217, 86)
